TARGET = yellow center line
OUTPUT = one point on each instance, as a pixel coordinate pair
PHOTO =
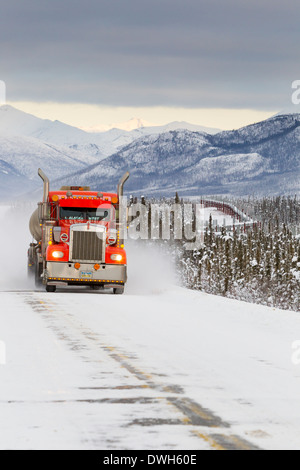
(209, 439)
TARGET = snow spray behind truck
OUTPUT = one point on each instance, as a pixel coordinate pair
(77, 239)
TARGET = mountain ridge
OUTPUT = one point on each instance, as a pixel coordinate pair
(263, 157)
(267, 152)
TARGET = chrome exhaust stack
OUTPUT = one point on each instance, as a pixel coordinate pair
(121, 184)
(122, 212)
(44, 206)
(46, 184)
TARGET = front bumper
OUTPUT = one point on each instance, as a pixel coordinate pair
(65, 274)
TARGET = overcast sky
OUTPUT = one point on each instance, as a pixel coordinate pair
(228, 54)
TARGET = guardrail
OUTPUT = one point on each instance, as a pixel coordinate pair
(241, 221)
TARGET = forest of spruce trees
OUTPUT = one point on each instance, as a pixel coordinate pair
(260, 264)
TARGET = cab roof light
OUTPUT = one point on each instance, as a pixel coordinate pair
(75, 188)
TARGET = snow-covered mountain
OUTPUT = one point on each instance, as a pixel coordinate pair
(148, 128)
(27, 142)
(14, 122)
(262, 158)
(93, 145)
(292, 109)
(178, 125)
(20, 158)
(132, 124)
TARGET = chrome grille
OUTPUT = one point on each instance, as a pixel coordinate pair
(87, 246)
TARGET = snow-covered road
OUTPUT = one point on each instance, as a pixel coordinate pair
(158, 368)
(172, 370)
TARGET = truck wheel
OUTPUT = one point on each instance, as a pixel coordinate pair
(31, 256)
(38, 273)
(95, 287)
(118, 290)
(50, 288)
(31, 271)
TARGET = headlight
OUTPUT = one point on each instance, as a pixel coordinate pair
(116, 257)
(57, 254)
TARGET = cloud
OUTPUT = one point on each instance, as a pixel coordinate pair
(195, 53)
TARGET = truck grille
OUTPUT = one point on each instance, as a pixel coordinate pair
(87, 246)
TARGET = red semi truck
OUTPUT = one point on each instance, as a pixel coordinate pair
(77, 239)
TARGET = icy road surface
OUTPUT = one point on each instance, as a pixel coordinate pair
(158, 368)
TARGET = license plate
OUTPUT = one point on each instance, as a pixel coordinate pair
(86, 275)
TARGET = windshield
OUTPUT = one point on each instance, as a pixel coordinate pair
(84, 213)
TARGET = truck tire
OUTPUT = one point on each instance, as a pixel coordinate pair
(31, 261)
(96, 287)
(118, 290)
(31, 271)
(50, 288)
(38, 273)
